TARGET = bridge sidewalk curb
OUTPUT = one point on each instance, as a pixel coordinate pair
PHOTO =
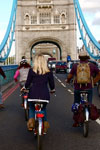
(6, 86)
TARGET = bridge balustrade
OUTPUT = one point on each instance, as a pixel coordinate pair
(9, 72)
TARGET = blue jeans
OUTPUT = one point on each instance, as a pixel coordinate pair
(32, 110)
(77, 97)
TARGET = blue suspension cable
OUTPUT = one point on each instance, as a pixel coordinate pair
(80, 19)
(9, 32)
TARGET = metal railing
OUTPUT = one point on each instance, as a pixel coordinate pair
(9, 72)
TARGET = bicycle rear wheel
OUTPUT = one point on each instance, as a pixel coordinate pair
(39, 142)
(39, 135)
(26, 111)
(85, 128)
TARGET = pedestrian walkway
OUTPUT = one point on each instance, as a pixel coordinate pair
(6, 86)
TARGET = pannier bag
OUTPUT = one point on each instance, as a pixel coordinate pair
(94, 114)
(79, 117)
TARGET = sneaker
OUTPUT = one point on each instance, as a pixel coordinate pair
(46, 126)
(31, 124)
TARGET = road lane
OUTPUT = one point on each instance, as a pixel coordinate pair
(61, 135)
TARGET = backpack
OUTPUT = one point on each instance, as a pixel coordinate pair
(83, 73)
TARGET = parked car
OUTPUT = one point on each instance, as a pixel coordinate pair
(61, 66)
(52, 65)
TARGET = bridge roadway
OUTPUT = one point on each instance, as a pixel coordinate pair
(61, 135)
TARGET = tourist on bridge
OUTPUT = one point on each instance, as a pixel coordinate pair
(4, 76)
(92, 75)
(85, 74)
(22, 72)
(38, 79)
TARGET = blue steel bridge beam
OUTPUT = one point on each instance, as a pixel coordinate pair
(8, 32)
(80, 17)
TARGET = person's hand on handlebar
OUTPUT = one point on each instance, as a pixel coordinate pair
(52, 91)
(23, 88)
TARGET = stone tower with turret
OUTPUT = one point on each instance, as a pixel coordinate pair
(45, 26)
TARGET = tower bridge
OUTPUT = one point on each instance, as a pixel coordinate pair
(47, 27)
(43, 26)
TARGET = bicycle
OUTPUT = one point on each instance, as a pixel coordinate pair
(39, 120)
(84, 102)
(25, 102)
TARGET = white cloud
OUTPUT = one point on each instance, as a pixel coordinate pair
(91, 12)
(90, 5)
(96, 20)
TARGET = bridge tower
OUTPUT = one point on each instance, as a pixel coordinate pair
(45, 26)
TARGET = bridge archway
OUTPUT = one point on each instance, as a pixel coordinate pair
(49, 47)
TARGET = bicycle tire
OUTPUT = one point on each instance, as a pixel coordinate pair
(85, 128)
(26, 111)
(39, 141)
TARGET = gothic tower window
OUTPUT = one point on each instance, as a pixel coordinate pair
(56, 19)
(33, 19)
(63, 18)
(45, 18)
(26, 18)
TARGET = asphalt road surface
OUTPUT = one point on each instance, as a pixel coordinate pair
(60, 136)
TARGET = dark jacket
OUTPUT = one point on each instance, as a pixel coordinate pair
(38, 85)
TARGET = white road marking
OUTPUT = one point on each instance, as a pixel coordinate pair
(98, 120)
(63, 84)
(59, 80)
(69, 90)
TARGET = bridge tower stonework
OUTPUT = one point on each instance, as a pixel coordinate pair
(45, 26)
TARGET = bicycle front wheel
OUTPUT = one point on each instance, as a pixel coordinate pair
(39, 134)
(85, 128)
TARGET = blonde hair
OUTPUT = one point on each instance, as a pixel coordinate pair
(40, 64)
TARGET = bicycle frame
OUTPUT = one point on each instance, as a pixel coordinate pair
(84, 95)
(84, 98)
(39, 115)
(25, 102)
(39, 120)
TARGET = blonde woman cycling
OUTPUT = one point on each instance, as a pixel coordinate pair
(37, 81)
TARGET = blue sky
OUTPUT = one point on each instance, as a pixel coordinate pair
(5, 10)
(91, 11)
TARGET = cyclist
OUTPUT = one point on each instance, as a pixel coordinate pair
(22, 72)
(37, 81)
(84, 57)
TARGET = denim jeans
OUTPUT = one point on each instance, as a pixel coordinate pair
(77, 97)
(32, 110)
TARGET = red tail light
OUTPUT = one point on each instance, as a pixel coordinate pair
(40, 115)
(25, 96)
